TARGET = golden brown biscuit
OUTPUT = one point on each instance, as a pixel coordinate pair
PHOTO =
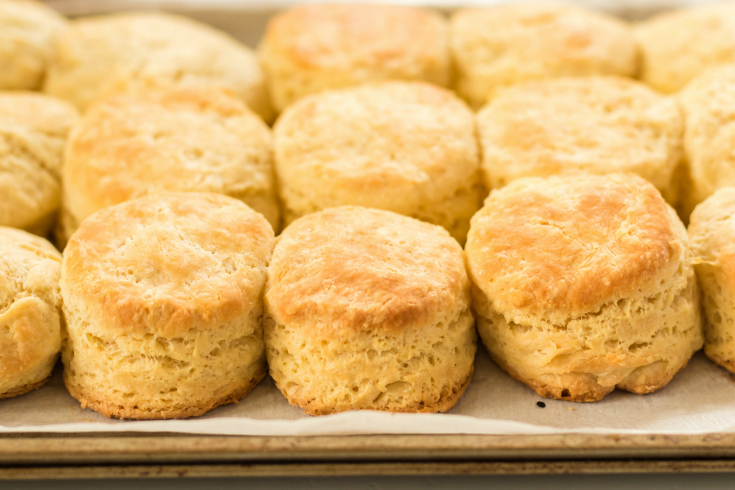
(596, 125)
(101, 56)
(30, 325)
(709, 139)
(311, 48)
(584, 284)
(368, 310)
(163, 304)
(186, 139)
(712, 234)
(33, 131)
(406, 147)
(27, 32)
(503, 45)
(679, 45)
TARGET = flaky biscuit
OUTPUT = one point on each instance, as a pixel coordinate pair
(163, 304)
(596, 125)
(30, 323)
(101, 56)
(406, 147)
(186, 139)
(584, 284)
(368, 310)
(502, 45)
(33, 132)
(712, 234)
(311, 48)
(679, 45)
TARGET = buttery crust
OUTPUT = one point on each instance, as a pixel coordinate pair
(33, 131)
(27, 31)
(22, 390)
(712, 233)
(311, 48)
(163, 304)
(680, 44)
(709, 107)
(137, 51)
(596, 125)
(584, 284)
(30, 325)
(406, 147)
(368, 309)
(498, 46)
(185, 139)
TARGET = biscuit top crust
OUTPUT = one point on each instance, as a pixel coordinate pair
(712, 234)
(571, 244)
(169, 263)
(359, 269)
(358, 35)
(571, 125)
(186, 139)
(680, 44)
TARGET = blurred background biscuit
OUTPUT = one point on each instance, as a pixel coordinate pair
(28, 30)
(101, 56)
(584, 284)
(368, 310)
(186, 139)
(406, 147)
(163, 305)
(595, 125)
(503, 45)
(311, 48)
(33, 132)
(30, 324)
(680, 44)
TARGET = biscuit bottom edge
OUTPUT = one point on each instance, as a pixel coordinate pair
(722, 361)
(117, 411)
(22, 390)
(442, 405)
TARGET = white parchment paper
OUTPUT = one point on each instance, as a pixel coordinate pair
(700, 399)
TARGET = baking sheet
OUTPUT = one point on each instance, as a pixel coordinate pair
(700, 399)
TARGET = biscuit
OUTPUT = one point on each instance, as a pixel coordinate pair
(33, 132)
(185, 139)
(311, 48)
(406, 147)
(102, 56)
(27, 32)
(712, 235)
(503, 45)
(30, 325)
(709, 138)
(368, 310)
(163, 303)
(679, 45)
(595, 125)
(583, 284)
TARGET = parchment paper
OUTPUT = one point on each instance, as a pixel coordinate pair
(700, 399)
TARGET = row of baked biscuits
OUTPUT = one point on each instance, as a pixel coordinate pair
(172, 303)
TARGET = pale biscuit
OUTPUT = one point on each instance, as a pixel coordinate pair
(709, 138)
(679, 45)
(406, 147)
(584, 284)
(28, 30)
(311, 48)
(503, 45)
(30, 323)
(368, 310)
(186, 139)
(33, 132)
(596, 125)
(162, 298)
(101, 56)
(712, 234)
